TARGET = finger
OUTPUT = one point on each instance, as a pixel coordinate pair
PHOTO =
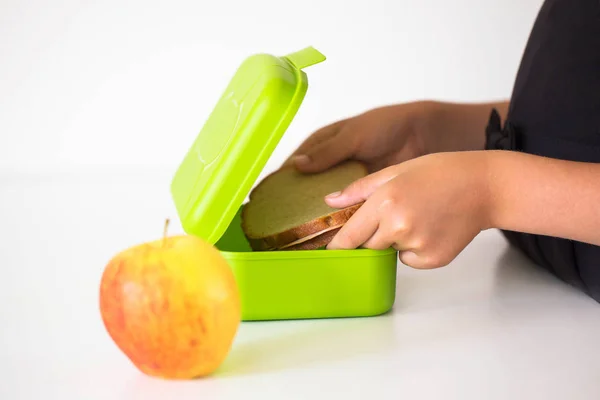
(382, 239)
(359, 228)
(325, 155)
(361, 189)
(386, 237)
(314, 139)
(419, 260)
(412, 259)
(379, 241)
(409, 258)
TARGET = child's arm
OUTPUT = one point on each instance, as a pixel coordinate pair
(389, 135)
(545, 196)
(448, 121)
(431, 207)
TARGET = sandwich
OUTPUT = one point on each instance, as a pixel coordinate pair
(287, 210)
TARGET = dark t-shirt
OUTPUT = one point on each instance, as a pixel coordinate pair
(555, 112)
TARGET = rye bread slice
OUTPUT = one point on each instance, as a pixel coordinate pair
(314, 243)
(305, 231)
(309, 237)
(288, 206)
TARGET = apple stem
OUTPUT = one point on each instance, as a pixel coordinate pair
(165, 231)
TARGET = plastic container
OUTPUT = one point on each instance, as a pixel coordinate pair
(217, 174)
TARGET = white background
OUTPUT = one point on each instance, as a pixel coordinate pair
(128, 84)
(100, 100)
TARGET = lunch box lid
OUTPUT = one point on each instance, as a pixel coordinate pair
(237, 140)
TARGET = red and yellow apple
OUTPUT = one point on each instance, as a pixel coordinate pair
(171, 306)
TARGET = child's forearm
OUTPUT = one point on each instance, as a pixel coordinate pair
(466, 121)
(544, 196)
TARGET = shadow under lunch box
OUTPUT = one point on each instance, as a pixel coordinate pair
(220, 169)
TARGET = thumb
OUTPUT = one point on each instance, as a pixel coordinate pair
(361, 189)
(325, 155)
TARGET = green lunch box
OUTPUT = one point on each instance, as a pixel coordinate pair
(220, 169)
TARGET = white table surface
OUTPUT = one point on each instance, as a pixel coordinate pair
(489, 326)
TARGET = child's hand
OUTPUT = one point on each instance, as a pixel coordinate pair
(428, 208)
(379, 137)
(389, 135)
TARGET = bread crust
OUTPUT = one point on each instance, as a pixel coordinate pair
(314, 243)
(309, 237)
(334, 219)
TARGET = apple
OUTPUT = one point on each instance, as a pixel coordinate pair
(171, 306)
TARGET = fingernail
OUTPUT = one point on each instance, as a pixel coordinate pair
(333, 195)
(302, 159)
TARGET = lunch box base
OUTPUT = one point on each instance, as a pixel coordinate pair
(308, 284)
